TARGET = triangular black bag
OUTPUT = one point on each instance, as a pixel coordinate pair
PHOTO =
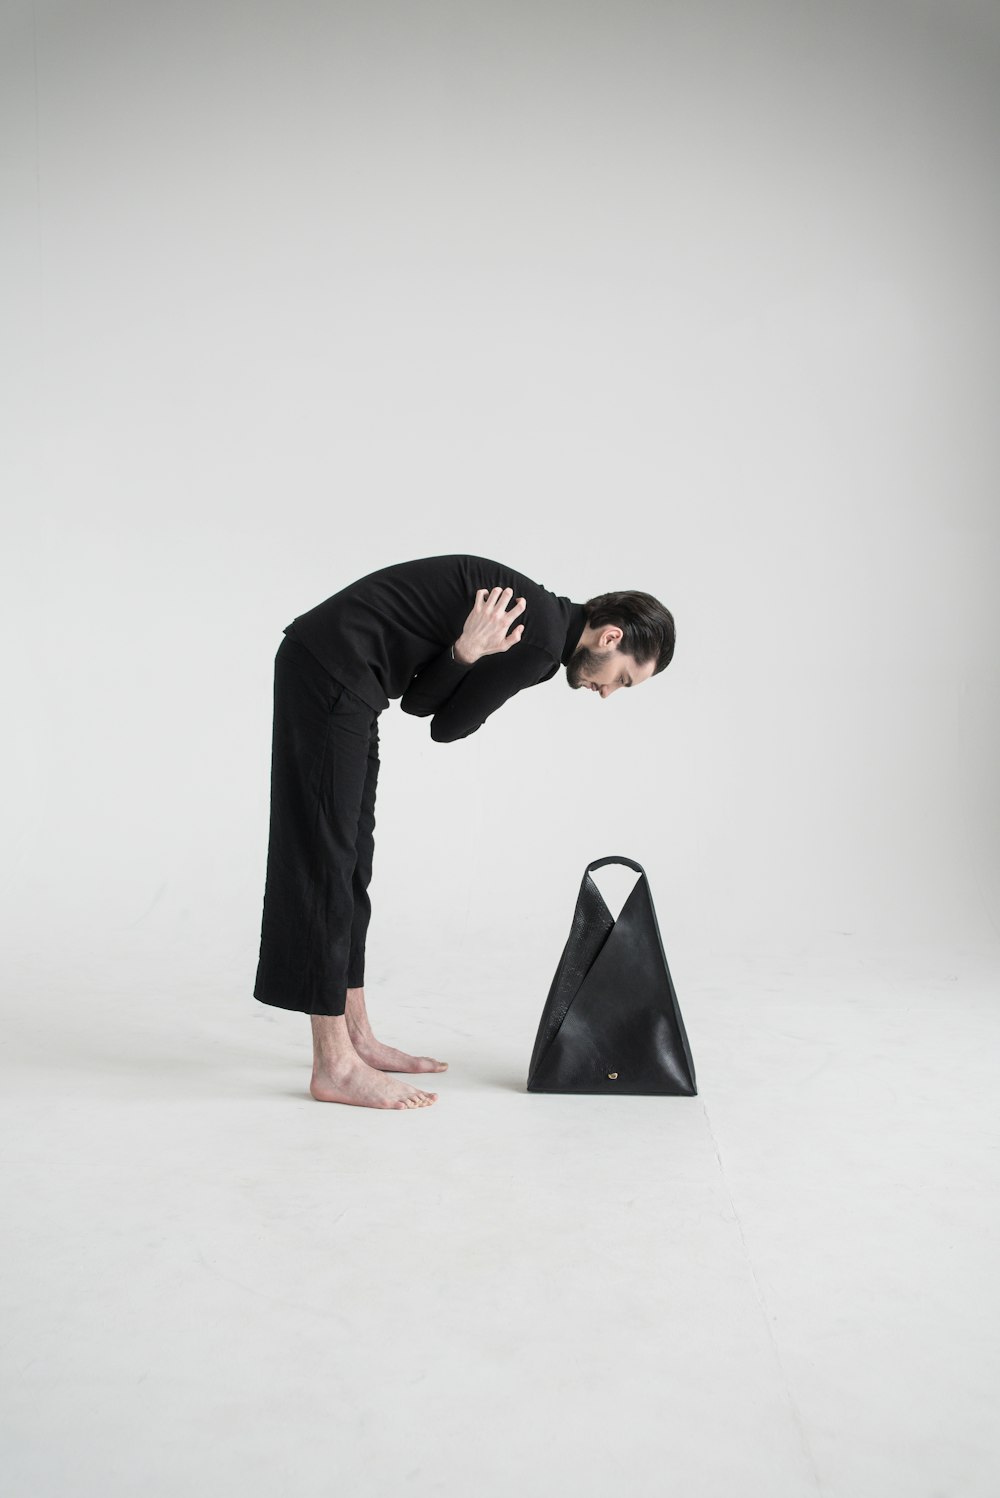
(611, 1022)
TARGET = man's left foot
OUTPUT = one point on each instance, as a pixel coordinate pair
(387, 1058)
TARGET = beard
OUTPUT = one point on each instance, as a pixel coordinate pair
(584, 662)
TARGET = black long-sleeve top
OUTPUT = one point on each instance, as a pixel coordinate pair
(390, 634)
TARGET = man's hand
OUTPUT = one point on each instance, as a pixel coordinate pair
(485, 630)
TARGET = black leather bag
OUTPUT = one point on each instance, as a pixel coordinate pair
(611, 1022)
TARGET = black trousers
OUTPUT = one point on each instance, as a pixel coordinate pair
(324, 769)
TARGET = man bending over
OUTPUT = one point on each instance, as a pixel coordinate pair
(454, 638)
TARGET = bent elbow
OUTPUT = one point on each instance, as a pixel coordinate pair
(441, 734)
(415, 709)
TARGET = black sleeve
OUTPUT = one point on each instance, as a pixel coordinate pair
(434, 684)
(487, 685)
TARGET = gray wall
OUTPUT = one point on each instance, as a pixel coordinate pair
(692, 298)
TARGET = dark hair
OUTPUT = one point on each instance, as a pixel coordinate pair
(647, 627)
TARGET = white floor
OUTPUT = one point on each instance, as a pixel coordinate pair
(782, 1287)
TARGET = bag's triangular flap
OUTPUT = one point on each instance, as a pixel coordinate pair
(592, 923)
(644, 904)
(623, 1031)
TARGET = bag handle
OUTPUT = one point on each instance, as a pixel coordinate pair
(614, 858)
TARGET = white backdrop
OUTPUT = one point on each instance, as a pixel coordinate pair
(689, 298)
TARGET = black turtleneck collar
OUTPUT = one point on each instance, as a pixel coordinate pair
(574, 629)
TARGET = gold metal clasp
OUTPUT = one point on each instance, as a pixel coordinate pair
(612, 1075)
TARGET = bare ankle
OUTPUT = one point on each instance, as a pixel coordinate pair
(333, 1048)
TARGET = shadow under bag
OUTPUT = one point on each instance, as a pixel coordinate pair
(611, 1022)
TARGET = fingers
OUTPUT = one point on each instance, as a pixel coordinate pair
(490, 620)
(498, 598)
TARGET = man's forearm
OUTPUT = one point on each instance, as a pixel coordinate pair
(435, 683)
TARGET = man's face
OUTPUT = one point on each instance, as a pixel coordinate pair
(604, 670)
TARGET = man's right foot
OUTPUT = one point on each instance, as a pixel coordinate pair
(356, 1082)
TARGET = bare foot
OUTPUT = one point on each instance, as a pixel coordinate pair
(387, 1058)
(352, 1081)
(382, 1057)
